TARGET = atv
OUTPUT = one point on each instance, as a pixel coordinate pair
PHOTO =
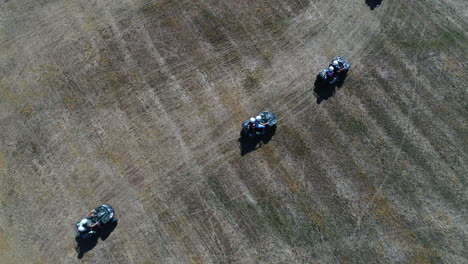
(268, 118)
(331, 77)
(102, 215)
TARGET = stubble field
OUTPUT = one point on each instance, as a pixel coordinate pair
(139, 103)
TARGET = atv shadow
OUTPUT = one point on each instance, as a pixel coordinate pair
(105, 232)
(373, 3)
(84, 245)
(324, 90)
(248, 144)
(268, 135)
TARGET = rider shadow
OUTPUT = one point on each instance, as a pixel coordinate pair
(373, 3)
(84, 245)
(324, 90)
(249, 144)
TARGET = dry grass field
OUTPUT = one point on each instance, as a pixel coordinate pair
(139, 104)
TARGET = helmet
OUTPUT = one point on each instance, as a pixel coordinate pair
(335, 63)
(252, 120)
(258, 118)
(83, 221)
(81, 228)
(330, 69)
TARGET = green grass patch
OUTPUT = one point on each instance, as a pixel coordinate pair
(215, 185)
(251, 83)
(157, 7)
(351, 125)
(356, 127)
(211, 28)
(448, 39)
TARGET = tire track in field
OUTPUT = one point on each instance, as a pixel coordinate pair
(298, 103)
(332, 174)
(190, 189)
(396, 156)
(409, 129)
(378, 134)
(395, 20)
(197, 77)
(195, 185)
(152, 98)
(401, 126)
(406, 124)
(419, 80)
(187, 156)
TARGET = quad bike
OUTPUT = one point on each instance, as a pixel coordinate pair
(103, 214)
(331, 77)
(268, 118)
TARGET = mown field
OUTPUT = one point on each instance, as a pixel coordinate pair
(139, 104)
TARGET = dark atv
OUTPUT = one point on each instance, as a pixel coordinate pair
(330, 77)
(103, 215)
(268, 118)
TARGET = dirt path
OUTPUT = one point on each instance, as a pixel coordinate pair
(139, 104)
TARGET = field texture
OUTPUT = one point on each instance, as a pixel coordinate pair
(139, 103)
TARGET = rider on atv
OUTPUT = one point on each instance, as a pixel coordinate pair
(252, 126)
(86, 224)
(332, 72)
(336, 69)
(95, 219)
(338, 65)
(259, 124)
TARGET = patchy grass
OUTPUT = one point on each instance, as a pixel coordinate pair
(251, 83)
(216, 186)
(356, 127)
(425, 255)
(158, 6)
(350, 125)
(446, 39)
(212, 28)
(169, 86)
(27, 111)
